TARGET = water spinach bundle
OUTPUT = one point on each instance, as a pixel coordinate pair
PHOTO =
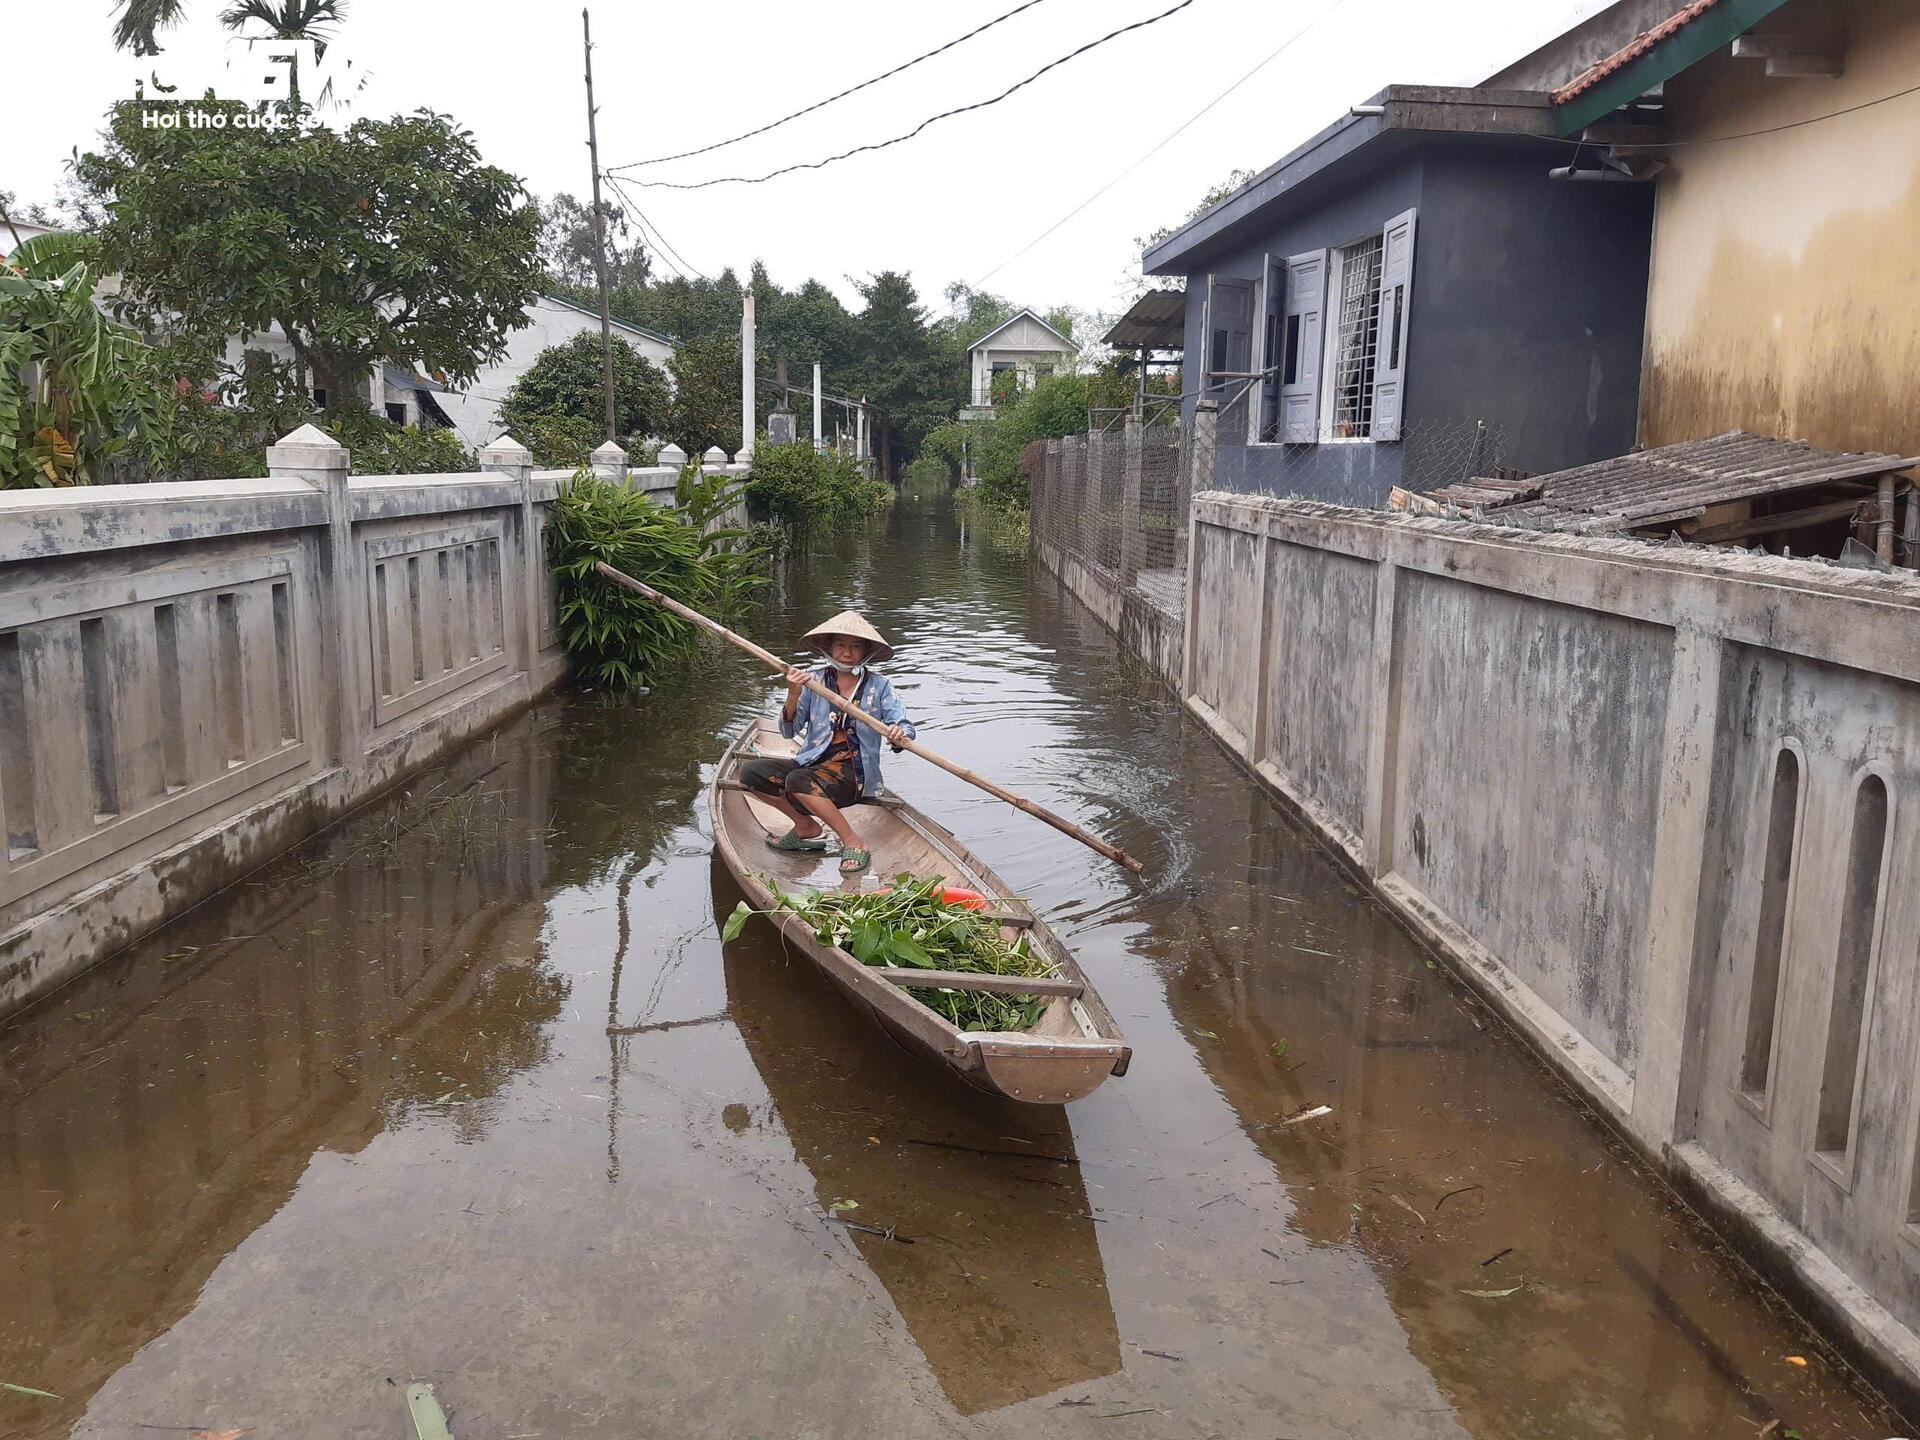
(912, 927)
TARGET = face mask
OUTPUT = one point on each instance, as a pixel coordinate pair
(854, 670)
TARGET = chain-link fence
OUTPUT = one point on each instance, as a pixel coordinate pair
(1116, 502)
(1115, 499)
(1426, 455)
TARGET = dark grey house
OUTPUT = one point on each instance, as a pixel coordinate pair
(1416, 270)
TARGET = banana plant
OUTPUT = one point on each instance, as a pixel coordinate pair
(75, 388)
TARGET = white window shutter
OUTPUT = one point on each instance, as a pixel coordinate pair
(1270, 333)
(1396, 301)
(1301, 327)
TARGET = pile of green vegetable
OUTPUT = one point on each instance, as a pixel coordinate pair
(910, 926)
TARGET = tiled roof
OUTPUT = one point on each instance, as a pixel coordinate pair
(1640, 44)
(1655, 489)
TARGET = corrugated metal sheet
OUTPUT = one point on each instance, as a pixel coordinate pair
(1661, 487)
(1158, 320)
(1632, 50)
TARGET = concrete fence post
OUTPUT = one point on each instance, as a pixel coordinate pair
(671, 456)
(1132, 460)
(1198, 472)
(507, 456)
(610, 462)
(1673, 997)
(714, 459)
(311, 455)
(1383, 719)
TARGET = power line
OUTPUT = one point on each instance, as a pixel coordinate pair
(931, 119)
(647, 227)
(1167, 140)
(822, 104)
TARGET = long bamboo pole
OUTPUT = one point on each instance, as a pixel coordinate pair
(769, 659)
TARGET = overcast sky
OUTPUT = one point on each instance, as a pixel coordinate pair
(953, 204)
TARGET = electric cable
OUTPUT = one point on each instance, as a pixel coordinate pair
(931, 119)
(1167, 140)
(822, 104)
(648, 226)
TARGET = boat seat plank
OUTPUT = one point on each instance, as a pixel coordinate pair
(966, 980)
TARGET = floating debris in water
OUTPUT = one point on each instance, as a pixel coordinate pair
(429, 1420)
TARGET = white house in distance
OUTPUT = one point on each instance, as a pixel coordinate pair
(1026, 344)
(408, 397)
(475, 410)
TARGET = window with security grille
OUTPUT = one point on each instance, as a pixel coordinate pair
(1356, 341)
(1333, 341)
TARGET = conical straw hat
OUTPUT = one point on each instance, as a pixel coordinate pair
(848, 623)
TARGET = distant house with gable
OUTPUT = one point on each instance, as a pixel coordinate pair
(1025, 345)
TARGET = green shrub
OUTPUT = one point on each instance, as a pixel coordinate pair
(799, 486)
(569, 380)
(380, 447)
(615, 637)
(1054, 407)
(560, 442)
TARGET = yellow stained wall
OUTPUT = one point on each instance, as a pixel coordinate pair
(1785, 291)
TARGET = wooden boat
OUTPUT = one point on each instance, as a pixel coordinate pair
(1072, 1047)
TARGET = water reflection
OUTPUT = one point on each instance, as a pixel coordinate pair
(995, 1266)
(580, 1233)
(155, 1115)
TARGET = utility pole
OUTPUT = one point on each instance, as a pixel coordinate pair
(599, 235)
(819, 440)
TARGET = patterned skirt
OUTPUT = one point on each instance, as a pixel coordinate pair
(834, 776)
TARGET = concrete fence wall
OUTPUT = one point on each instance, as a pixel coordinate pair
(196, 676)
(1661, 806)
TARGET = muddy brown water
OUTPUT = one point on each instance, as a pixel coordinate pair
(359, 1121)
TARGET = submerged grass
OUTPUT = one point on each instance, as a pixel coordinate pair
(911, 926)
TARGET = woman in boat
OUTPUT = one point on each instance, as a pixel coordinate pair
(838, 762)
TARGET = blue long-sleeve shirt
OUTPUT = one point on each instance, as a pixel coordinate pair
(813, 722)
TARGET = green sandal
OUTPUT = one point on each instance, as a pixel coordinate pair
(853, 860)
(794, 841)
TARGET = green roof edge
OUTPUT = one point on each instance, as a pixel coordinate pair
(1686, 47)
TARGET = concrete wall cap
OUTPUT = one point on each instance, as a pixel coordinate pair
(610, 451)
(672, 455)
(311, 434)
(308, 448)
(715, 456)
(506, 451)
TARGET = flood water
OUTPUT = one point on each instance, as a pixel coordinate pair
(361, 1120)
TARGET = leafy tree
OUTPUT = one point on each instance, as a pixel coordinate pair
(688, 310)
(1133, 284)
(392, 240)
(974, 313)
(139, 22)
(914, 377)
(706, 397)
(567, 380)
(567, 245)
(75, 389)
